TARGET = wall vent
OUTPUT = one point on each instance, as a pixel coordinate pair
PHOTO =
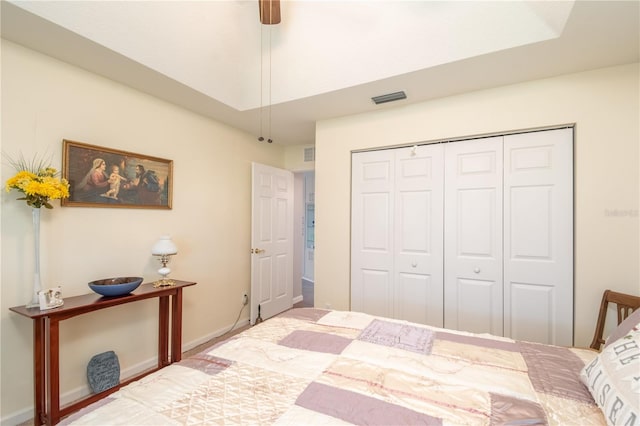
(309, 154)
(390, 97)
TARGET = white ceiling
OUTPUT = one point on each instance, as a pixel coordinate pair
(327, 58)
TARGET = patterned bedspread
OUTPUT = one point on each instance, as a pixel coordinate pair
(311, 366)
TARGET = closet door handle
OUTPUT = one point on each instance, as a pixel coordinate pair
(476, 270)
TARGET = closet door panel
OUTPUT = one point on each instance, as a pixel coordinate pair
(473, 236)
(475, 300)
(476, 214)
(531, 215)
(415, 299)
(375, 226)
(538, 223)
(375, 292)
(525, 321)
(372, 224)
(418, 234)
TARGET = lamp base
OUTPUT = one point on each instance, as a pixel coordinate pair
(164, 272)
(164, 282)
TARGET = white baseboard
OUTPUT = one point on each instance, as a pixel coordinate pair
(18, 417)
(80, 392)
(297, 299)
(188, 346)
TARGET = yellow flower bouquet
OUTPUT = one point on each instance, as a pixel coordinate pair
(38, 181)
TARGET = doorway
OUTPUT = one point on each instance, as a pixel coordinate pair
(305, 239)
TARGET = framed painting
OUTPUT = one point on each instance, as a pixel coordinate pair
(105, 177)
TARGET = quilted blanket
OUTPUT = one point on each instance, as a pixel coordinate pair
(311, 366)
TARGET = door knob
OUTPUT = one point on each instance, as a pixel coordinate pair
(476, 270)
(257, 251)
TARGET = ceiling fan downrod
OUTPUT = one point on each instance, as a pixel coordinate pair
(269, 15)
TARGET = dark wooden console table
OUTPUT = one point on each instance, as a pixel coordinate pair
(46, 350)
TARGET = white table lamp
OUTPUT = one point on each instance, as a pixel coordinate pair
(164, 248)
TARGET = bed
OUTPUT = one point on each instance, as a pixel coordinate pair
(311, 366)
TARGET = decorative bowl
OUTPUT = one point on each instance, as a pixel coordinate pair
(115, 286)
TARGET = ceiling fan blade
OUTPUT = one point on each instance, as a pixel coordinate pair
(269, 11)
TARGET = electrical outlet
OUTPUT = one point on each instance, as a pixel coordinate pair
(245, 299)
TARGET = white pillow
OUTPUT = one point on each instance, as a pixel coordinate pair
(613, 378)
(624, 328)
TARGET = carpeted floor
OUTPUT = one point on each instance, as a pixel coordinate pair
(307, 302)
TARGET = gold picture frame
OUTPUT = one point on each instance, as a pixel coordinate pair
(105, 177)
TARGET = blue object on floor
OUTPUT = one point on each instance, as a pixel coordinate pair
(103, 371)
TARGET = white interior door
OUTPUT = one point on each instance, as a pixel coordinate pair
(418, 234)
(491, 218)
(372, 218)
(538, 243)
(271, 241)
(473, 236)
(397, 234)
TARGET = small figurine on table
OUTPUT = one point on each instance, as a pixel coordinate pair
(51, 298)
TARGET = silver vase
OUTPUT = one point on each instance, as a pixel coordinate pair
(37, 287)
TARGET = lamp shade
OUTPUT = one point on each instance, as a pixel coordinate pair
(164, 246)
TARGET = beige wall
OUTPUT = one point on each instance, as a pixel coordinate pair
(604, 105)
(44, 101)
(294, 158)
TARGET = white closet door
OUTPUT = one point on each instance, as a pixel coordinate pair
(418, 235)
(473, 294)
(538, 244)
(372, 208)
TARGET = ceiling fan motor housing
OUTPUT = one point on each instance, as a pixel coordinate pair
(269, 12)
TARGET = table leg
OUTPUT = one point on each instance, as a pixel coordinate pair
(53, 385)
(163, 332)
(176, 326)
(39, 372)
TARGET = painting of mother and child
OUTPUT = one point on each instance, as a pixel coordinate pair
(102, 177)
